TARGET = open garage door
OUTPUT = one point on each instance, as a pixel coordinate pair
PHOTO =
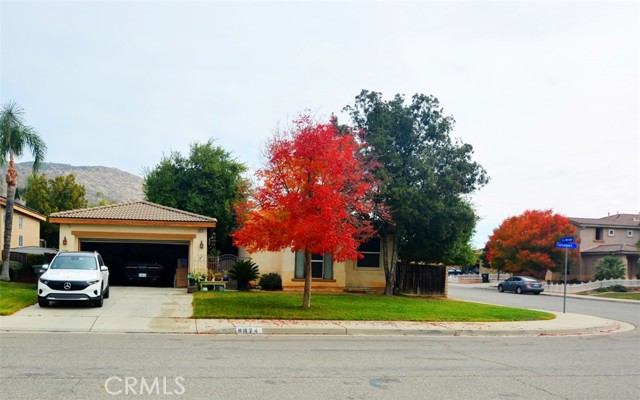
(120, 254)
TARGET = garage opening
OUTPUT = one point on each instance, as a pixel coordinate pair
(122, 256)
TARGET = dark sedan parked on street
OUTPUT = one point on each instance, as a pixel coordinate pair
(521, 284)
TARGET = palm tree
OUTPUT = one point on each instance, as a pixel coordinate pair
(14, 137)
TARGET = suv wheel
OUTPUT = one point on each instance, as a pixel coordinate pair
(43, 303)
(106, 294)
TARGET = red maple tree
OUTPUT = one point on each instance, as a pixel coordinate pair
(527, 243)
(316, 196)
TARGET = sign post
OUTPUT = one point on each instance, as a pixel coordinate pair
(566, 243)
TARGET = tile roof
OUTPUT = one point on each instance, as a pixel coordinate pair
(620, 220)
(134, 211)
(613, 248)
(21, 208)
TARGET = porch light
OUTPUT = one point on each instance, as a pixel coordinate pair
(201, 245)
(64, 241)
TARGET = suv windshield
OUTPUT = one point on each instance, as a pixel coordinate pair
(74, 262)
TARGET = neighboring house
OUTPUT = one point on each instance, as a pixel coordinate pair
(614, 235)
(139, 232)
(26, 225)
(366, 273)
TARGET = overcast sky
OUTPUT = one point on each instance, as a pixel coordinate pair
(547, 93)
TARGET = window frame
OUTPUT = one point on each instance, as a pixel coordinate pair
(379, 253)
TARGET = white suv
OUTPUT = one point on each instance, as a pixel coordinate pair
(74, 275)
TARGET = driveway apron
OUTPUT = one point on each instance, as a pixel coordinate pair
(128, 309)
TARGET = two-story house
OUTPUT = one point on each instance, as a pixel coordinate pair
(26, 225)
(614, 235)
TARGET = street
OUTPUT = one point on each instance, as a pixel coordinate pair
(78, 366)
(620, 311)
(104, 366)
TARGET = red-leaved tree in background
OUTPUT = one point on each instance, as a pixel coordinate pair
(527, 243)
(316, 196)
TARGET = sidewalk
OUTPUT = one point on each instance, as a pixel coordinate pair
(153, 310)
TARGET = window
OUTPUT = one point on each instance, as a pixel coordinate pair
(370, 251)
(598, 233)
(612, 232)
(20, 241)
(20, 222)
(321, 266)
(629, 233)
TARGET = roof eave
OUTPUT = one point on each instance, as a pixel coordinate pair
(129, 222)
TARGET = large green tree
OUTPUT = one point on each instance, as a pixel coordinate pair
(15, 137)
(52, 195)
(207, 182)
(426, 175)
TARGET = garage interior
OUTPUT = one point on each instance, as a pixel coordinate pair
(117, 253)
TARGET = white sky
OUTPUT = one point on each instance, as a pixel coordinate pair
(548, 93)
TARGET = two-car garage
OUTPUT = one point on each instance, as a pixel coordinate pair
(142, 243)
(139, 262)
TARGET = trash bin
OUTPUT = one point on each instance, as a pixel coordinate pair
(485, 278)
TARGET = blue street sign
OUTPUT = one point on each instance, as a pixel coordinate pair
(567, 245)
(568, 239)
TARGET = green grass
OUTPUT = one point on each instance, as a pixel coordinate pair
(16, 296)
(283, 305)
(618, 295)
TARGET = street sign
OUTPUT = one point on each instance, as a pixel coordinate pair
(568, 239)
(567, 245)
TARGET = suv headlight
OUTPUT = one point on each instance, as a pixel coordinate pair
(45, 281)
(92, 281)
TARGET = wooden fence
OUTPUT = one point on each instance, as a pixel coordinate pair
(423, 280)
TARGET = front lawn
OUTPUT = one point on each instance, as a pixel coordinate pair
(16, 296)
(324, 306)
(619, 295)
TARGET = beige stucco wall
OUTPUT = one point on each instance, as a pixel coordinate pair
(30, 230)
(73, 233)
(588, 237)
(345, 274)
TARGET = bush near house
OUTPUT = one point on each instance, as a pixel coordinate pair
(610, 267)
(244, 271)
(271, 281)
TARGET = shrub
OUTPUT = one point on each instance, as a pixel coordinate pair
(610, 267)
(14, 270)
(618, 288)
(244, 271)
(601, 290)
(271, 281)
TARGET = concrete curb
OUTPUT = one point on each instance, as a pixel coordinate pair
(563, 324)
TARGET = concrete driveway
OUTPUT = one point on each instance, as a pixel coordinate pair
(128, 309)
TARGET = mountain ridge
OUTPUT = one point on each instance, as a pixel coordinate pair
(114, 184)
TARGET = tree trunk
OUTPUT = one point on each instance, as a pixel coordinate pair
(306, 301)
(390, 266)
(12, 182)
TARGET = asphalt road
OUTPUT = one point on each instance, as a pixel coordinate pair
(619, 311)
(106, 366)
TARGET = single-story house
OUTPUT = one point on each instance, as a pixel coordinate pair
(364, 274)
(613, 235)
(26, 225)
(139, 231)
